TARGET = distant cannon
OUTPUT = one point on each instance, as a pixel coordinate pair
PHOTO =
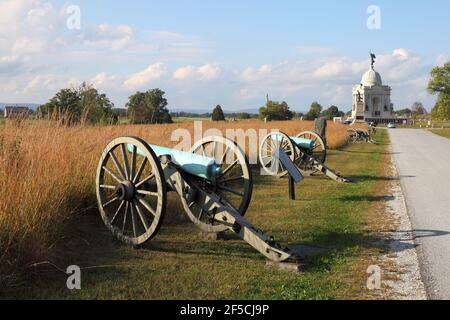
(361, 135)
(214, 183)
(307, 151)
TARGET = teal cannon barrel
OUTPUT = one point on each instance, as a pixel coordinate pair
(302, 143)
(194, 164)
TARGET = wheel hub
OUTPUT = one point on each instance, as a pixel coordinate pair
(125, 191)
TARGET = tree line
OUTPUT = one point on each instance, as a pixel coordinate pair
(280, 111)
(84, 104)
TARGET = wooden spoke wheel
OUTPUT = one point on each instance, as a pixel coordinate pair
(319, 152)
(131, 190)
(269, 162)
(234, 183)
(363, 135)
(352, 135)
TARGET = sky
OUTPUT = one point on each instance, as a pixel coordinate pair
(233, 53)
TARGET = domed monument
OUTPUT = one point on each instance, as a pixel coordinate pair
(371, 99)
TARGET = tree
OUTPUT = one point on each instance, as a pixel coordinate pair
(148, 107)
(332, 112)
(275, 111)
(442, 109)
(440, 80)
(74, 105)
(97, 108)
(314, 111)
(244, 116)
(217, 114)
(440, 84)
(404, 112)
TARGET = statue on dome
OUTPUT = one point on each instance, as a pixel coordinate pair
(373, 57)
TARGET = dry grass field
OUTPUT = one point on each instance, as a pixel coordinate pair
(178, 264)
(47, 175)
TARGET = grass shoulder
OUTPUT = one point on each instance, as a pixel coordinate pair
(442, 132)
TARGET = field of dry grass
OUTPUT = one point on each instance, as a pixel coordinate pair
(47, 175)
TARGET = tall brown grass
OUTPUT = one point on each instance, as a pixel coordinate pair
(47, 175)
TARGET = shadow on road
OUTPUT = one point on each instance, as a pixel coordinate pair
(379, 178)
(368, 198)
(368, 152)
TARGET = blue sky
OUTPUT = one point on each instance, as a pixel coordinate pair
(204, 53)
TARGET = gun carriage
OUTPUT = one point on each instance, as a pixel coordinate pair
(307, 151)
(213, 181)
(361, 135)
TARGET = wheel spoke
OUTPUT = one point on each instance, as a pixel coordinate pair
(141, 216)
(133, 222)
(118, 166)
(110, 202)
(274, 167)
(112, 174)
(148, 193)
(104, 186)
(140, 171)
(229, 168)
(232, 179)
(133, 163)
(231, 191)
(224, 156)
(125, 217)
(117, 212)
(150, 177)
(200, 216)
(214, 150)
(147, 206)
(125, 161)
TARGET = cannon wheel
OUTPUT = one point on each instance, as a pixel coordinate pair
(271, 164)
(234, 184)
(130, 209)
(352, 135)
(320, 149)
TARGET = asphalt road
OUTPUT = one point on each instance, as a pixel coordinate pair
(423, 164)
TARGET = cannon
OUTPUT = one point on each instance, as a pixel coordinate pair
(307, 151)
(213, 181)
(361, 135)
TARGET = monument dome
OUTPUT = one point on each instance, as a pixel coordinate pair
(371, 78)
(372, 99)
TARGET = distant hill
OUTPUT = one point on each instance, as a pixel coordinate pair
(32, 106)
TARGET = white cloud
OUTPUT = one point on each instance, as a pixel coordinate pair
(184, 73)
(208, 72)
(50, 83)
(108, 36)
(143, 78)
(104, 80)
(401, 54)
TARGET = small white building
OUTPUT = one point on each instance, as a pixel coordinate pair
(372, 99)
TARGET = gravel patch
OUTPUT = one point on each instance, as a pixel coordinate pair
(407, 283)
